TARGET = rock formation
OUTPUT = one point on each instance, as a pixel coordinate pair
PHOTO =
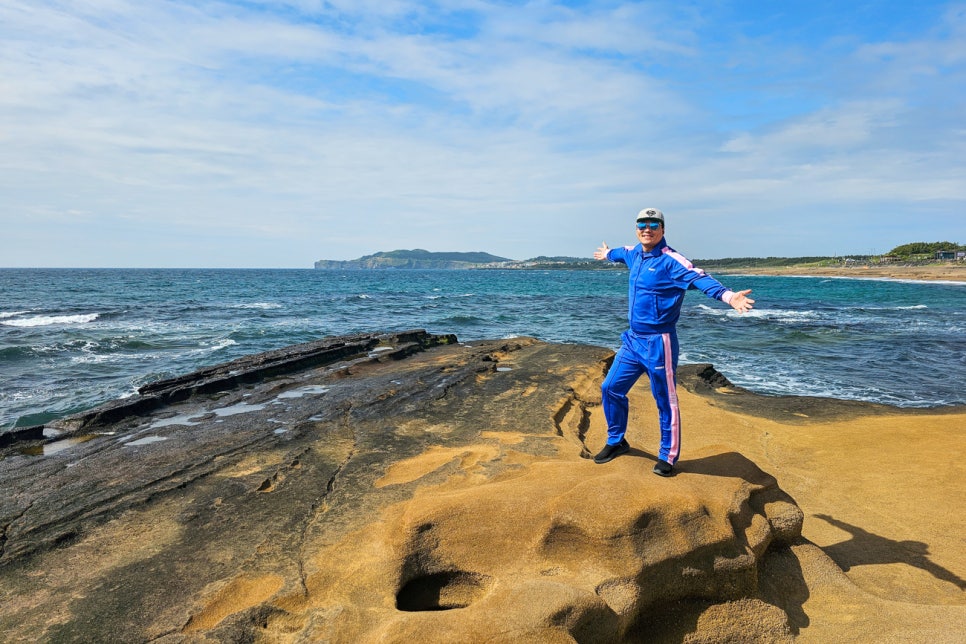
(390, 487)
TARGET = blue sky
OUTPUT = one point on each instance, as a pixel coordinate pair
(272, 134)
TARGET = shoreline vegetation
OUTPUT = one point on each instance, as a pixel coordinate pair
(856, 267)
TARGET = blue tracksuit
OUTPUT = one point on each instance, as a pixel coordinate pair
(657, 283)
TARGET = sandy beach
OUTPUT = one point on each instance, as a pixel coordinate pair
(952, 272)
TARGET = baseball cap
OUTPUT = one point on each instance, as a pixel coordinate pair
(650, 213)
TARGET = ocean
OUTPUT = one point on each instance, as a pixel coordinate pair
(71, 339)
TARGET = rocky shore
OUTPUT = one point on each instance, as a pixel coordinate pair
(405, 486)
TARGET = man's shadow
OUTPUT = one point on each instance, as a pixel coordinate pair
(865, 548)
(727, 465)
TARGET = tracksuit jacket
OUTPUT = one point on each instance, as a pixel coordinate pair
(656, 286)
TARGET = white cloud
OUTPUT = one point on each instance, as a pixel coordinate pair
(468, 125)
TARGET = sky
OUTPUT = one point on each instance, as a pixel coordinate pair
(146, 133)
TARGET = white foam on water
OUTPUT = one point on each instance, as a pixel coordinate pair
(47, 320)
(11, 314)
(708, 310)
(257, 305)
(778, 315)
(133, 391)
(97, 358)
(883, 308)
(280, 430)
(799, 384)
(221, 344)
(916, 282)
(212, 348)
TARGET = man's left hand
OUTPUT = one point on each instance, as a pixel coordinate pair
(741, 302)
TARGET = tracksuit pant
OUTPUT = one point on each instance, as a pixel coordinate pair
(657, 356)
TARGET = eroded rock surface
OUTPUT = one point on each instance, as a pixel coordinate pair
(385, 487)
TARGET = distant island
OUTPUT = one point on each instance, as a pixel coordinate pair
(419, 258)
(917, 254)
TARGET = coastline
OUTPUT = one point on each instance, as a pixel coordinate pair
(929, 273)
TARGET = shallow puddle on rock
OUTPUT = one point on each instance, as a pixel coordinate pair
(56, 446)
(310, 390)
(240, 408)
(183, 419)
(147, 440)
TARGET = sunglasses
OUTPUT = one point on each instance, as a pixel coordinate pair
(653, 225)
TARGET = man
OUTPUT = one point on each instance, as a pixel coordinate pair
(659, 277)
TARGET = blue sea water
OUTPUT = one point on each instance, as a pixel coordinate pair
(71, 339)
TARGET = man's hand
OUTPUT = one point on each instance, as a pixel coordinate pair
(741, 302)
(601, 253)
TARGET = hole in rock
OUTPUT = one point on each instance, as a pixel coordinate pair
(442, 591)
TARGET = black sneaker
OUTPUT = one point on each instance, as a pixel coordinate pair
(663, 468)
(610, 452)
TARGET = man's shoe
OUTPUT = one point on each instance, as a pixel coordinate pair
(663, 468)
(610, 452)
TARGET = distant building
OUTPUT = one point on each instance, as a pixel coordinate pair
(945, 254)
